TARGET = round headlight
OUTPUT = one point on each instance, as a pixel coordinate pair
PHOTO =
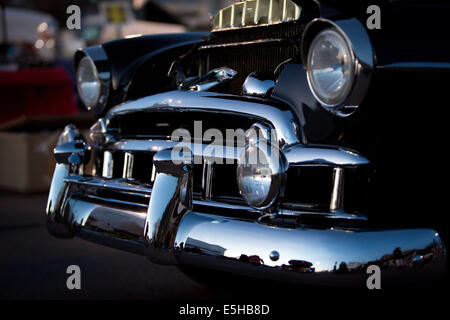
(330, 67)
(88, 82)
(260, 175)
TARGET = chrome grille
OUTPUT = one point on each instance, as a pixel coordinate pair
(255, 49)
(219, 185)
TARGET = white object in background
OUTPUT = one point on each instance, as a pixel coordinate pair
(32, 27)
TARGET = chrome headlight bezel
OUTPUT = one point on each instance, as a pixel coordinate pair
(87, 69)
(348, 73)
(356, 38)
(98, 60)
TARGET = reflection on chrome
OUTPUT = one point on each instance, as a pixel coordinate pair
(173, 228)
(237, 245)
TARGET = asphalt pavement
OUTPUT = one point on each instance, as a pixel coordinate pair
(33, 264)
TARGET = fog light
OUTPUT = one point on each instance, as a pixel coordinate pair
(261, 174)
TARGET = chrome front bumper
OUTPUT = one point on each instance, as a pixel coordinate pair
(329, 257)
(172, 231)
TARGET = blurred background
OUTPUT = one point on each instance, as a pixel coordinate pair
(37, 79)
(37, 99)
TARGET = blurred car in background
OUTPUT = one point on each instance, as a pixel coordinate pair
(29, 35)
(115, 20)
(96, 28)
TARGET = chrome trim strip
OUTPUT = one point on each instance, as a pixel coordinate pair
(227, 206)
(137, 189)
(243, 43)
(322, 155)
(337, 195)
(297, 155)
(416, 66)
(119, 185)
(107, 171)
(207, 177)
(115, 201)
(153, 176)
(128, 163)
(181, 101)
(155, 146)
(329, 215)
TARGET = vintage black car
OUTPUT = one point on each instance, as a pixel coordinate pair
(341, 102)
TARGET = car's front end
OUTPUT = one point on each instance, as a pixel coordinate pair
(166, 171)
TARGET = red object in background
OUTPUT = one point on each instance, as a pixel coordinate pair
(36, 92)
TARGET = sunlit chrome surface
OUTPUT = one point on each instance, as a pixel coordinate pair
(106, 224)
(69, 134)
(309, 256)
(295, 210)
(179, 101)
(170, 232)
(176, 229)
(128, 187)
(251, 13)
(108, 164)
(172, 199)
(198, 150)
(322, 155)
(337, 195)
(70, 154)
(258, 84)
(100, 134)
(56, 198)
(73, 153)
(356, 35)
(128, 164)
(296, 155)
(210, 80)
(121, 185)
(260, 130)
(305, 255)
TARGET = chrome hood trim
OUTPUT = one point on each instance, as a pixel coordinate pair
(183, 101)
